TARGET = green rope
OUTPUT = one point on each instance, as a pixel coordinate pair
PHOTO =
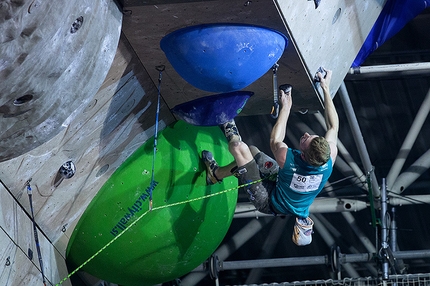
(142, 215)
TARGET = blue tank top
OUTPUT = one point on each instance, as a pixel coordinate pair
(298, 184)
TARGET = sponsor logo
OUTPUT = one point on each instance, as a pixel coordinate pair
(132, 210)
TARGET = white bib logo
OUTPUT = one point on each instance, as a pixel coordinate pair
(302, 183)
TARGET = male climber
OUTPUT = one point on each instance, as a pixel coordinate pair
(289, 185)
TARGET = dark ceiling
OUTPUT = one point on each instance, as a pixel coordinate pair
(385, 106)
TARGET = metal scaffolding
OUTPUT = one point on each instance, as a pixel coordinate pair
(383, 259)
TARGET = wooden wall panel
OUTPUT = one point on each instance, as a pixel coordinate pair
(15, 267)
(19, 261)
(146, 25)
(315, 40)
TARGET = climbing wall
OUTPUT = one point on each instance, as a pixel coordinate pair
(54, 56)
(98, 136)
(19, 260)
(329, 36)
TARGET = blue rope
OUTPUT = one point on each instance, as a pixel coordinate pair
(153, 184)
(36, 237)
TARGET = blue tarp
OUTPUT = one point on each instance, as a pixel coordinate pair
(394, 16)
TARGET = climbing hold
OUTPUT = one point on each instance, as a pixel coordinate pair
(223, 57)
(212, 110)
(67, 170)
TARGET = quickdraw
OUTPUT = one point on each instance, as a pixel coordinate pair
(36, 237)
(275, 108)
(152, 185)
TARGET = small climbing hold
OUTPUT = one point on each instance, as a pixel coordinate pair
(67, 170)
(317, 3)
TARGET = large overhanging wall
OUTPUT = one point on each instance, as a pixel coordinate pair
(329, 36)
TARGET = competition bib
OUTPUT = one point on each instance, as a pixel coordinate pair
(302, 183)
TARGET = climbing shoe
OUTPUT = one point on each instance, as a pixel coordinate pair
(286, 87)
(302, 233)
(230, 131)
(211, 166)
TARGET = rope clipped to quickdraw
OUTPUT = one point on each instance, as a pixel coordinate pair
(152, 185)
(36, 237)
